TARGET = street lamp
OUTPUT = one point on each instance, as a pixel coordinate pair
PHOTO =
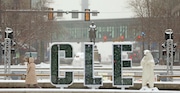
(7, 50)
(169, 47)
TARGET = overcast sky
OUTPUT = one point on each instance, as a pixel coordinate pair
(107, 8)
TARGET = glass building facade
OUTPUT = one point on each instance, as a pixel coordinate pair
(112, 29)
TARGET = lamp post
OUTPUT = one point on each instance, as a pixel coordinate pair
(7, 50)
(142, 34)
(169, 46)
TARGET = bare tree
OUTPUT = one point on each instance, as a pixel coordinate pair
(155, 17)
(28, 27)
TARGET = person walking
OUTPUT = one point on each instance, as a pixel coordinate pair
(31, 78)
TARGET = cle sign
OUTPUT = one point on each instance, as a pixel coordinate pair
(65, 50)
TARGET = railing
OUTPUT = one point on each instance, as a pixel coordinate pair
(106, 72)
(158, 77)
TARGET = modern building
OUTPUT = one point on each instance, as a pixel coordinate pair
(116, 30)
(113, 29)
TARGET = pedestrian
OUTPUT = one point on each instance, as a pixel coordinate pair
(31, 78)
